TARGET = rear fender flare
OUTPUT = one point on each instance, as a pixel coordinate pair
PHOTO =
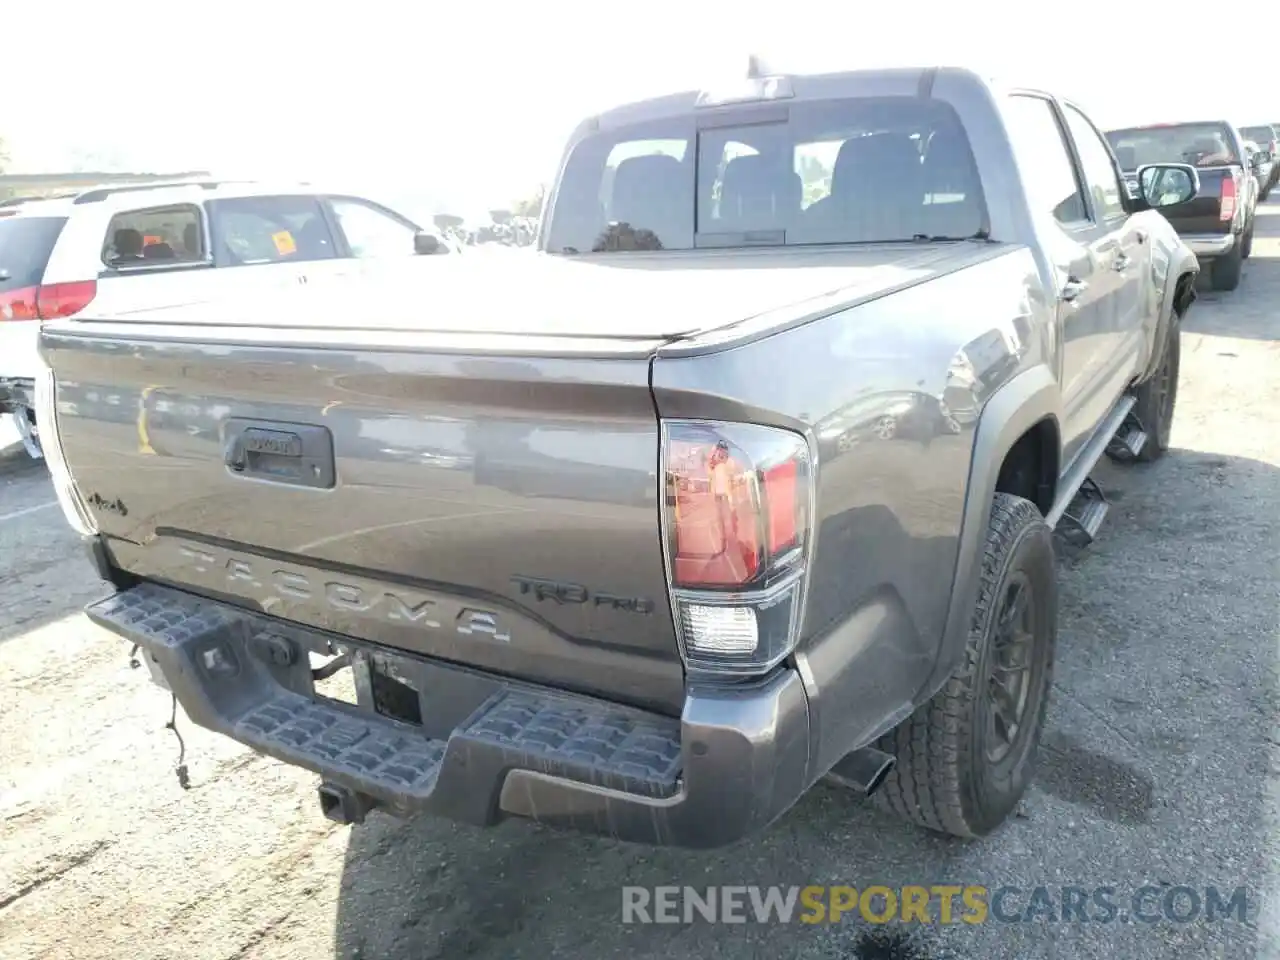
(1014, 408)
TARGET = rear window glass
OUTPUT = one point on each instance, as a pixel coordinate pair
(1262, 136)
(287, 229)
(831, 172)
(25, 245)
(1199, 144)
(154, 236)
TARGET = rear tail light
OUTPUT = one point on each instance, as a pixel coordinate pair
(737, 519)
(1227, 206)
(58, 300)
(19, 304)
(52, 301)
(64, 486)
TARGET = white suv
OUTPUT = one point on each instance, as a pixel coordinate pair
(140, 246)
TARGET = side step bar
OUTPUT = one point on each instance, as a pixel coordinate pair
(1084, 517)
(1081, 505)
(1129, 440)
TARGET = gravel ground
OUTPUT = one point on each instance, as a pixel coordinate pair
(1162, 761)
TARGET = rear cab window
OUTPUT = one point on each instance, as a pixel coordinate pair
(1263, 136)
(155, 237)
(269, 229)
(1198, 144)
(853, 170)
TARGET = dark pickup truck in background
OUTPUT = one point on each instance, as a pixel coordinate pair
(1218, 222)
(1265, 136)
(746, 478)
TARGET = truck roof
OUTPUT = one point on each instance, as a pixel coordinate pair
(1180, 123)
(798, 86)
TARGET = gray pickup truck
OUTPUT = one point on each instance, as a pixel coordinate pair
(745, 478)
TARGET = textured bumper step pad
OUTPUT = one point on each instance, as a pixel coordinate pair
(642, 752)
(558, 734)
(379, 752)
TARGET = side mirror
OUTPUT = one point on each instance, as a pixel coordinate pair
(426, 243)
(1167, 184)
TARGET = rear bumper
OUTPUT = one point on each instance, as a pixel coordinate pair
(17, 398)
(1210, 245)
(19, 354)
(482, 747)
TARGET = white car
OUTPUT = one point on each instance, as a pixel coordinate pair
(141, 246)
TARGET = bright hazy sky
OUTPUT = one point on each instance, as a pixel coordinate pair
(472, 100)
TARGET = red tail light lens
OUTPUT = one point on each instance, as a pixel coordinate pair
(737, 517)
(52, 301)
(717, 522)
(19, 304)
(730, 518)
(1227, 207)
(784, 507)
(58, 300)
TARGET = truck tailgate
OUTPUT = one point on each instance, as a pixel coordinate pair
(501, 513)
(1200, 214)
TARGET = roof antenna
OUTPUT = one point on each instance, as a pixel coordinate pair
(757, 69)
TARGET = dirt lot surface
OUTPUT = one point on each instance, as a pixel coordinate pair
(1161, 766)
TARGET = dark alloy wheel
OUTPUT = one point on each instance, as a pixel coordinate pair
(1157, 399)
(1008, 686)
(965, 758)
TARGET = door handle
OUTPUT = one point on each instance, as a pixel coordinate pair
(1073, 288)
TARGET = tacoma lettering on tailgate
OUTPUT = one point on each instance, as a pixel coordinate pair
(270, 583)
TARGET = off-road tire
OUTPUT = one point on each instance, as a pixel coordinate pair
(1158, 398)
(943, 779)
(1224, 271)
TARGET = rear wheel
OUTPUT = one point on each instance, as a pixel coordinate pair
(1158, 397)
(964, 759)
(24, 418)
(886, 428)
(1224, 271)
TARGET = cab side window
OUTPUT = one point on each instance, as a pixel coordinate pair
(154, 236)
(283, 229)
(371, 232)
(1098, 168)
(1045, 160)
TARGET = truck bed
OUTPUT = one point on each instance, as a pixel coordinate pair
(646, 296)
